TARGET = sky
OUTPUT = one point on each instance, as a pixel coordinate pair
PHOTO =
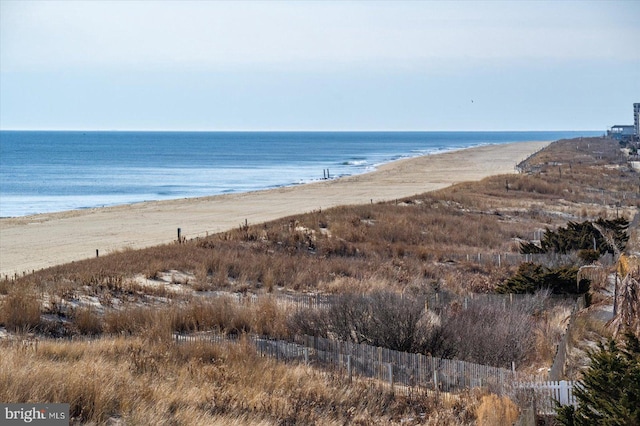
(362, 65)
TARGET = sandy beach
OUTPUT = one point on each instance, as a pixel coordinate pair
(39, 241)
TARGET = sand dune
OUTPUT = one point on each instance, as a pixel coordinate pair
(40, 241)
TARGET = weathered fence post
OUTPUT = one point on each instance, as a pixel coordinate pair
(349, 367)
(306, 356)
(179, 236)
(390, 373)
(615, 295)
(380, 364)
(97, 255)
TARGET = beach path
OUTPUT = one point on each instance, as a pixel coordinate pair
(39, 241)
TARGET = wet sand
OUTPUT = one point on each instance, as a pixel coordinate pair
(39, 241)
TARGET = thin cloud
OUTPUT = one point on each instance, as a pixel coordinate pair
(225, 35)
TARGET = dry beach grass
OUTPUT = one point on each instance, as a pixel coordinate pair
(137, 381)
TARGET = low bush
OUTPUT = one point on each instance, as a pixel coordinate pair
(87, 321)
(491, 333)
(496, 410)
(20, 310)
(5, 285)
(381, 318)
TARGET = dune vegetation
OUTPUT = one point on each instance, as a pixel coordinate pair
(98, 333)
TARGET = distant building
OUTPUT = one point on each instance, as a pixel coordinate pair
(627, 133)
(622, 132)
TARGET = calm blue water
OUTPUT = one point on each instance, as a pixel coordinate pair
(43, 172)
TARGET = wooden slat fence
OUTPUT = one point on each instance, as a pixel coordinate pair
(431, 301)
(406, 369)
(311, 301)
(542, 397)
(298, 301)
(402, 370)
(514, 259)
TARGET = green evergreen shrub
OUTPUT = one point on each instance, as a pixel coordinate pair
(609, 392)
(582, 236)
(532, 277)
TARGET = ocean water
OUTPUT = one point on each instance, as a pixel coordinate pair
(42, 172)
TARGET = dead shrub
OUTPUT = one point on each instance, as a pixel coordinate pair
(491, 333)
(203, 352)
(5, 285)
(219, 313)
(87, 321)
(381, 318)
(130, 320)
(535, 185)
(20, 310)
(495, 410)
(153, 269)
(269, 319)
(63, 289)
(311, 322)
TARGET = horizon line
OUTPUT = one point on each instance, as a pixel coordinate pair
(294, 130)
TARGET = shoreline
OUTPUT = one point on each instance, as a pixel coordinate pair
(38, 241)
(370, 169)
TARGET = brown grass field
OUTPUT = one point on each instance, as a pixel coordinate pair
(129, 302)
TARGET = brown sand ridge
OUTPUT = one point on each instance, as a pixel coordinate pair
(39, 241)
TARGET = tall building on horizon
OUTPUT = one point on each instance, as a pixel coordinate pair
(636, 118)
